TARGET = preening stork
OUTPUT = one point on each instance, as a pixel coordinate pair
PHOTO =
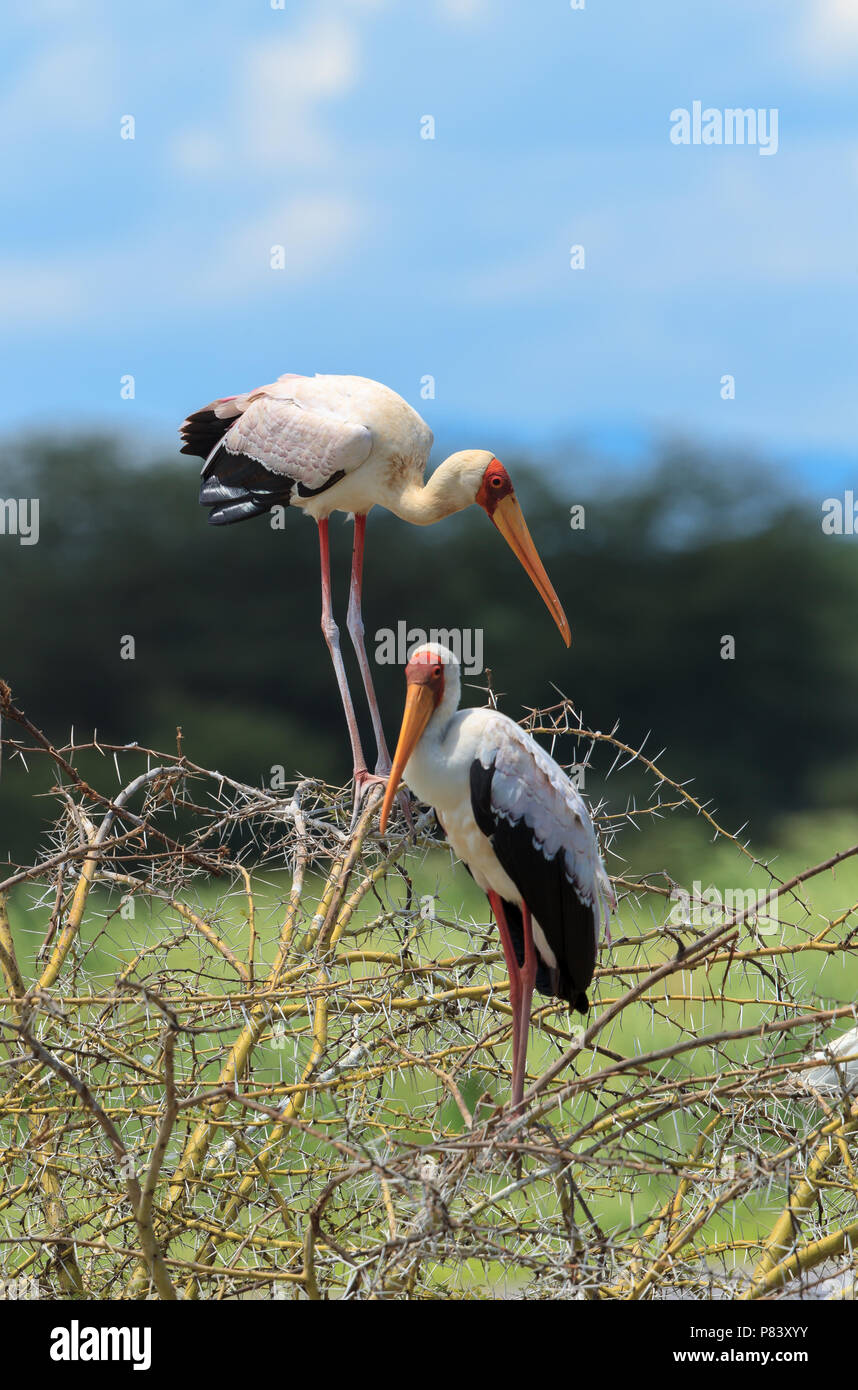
(345, 443)
(521, 827)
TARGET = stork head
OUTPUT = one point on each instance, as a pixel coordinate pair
(481, 478)
(431, 677)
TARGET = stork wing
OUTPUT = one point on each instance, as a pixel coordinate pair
(308, 444)
(543, 836)
(260, 446)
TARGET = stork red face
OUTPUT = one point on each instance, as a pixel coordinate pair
(424, 682)
(426, 668)
(497, 498)
(496, 485)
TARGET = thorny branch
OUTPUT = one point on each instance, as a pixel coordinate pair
(245, 1052)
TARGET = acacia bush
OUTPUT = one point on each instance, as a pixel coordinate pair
(247, 1052)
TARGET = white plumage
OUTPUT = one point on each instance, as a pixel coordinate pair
(837, 1073)
(528, 787)
(307, 429)
(521, 827)
(346, 443)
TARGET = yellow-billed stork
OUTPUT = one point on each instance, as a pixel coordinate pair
(521, 827)
(345, 443)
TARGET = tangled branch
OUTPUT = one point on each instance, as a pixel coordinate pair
(247, 1052)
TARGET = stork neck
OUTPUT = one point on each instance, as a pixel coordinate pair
(440, 496)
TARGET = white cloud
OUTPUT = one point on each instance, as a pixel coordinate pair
(55, 11)
(284, 84)
(198, 152)
(272, 119)
(270, 134)
(67, 87)
(165, 273)
(316, 232)
(726, 225)
(463, 11)
(34, 294)
(828, 35)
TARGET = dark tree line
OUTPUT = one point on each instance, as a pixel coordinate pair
(225, 622)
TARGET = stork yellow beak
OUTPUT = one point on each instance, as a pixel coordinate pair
(419, 708)
(509, 519)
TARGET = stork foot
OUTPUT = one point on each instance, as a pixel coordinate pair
(364, 781)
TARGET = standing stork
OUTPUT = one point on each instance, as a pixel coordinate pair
(345, 443)
(521, 827)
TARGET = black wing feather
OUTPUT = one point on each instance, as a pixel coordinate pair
(203, 430)
(568, 923)
(236, 487)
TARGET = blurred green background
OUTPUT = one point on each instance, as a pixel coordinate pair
(673, 557)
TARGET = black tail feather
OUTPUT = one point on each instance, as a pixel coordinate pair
(568, 923)
(202, 431)
(236, 487)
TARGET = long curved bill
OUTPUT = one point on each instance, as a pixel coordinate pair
(509, 519)
(419, 708)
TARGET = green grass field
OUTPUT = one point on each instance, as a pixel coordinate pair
(424, 929)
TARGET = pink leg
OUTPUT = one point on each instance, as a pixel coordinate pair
(520, 992)
(355, 626)
(528, 979)
(356, 630)
(332, 637)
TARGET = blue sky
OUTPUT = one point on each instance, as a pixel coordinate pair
(405, 257)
